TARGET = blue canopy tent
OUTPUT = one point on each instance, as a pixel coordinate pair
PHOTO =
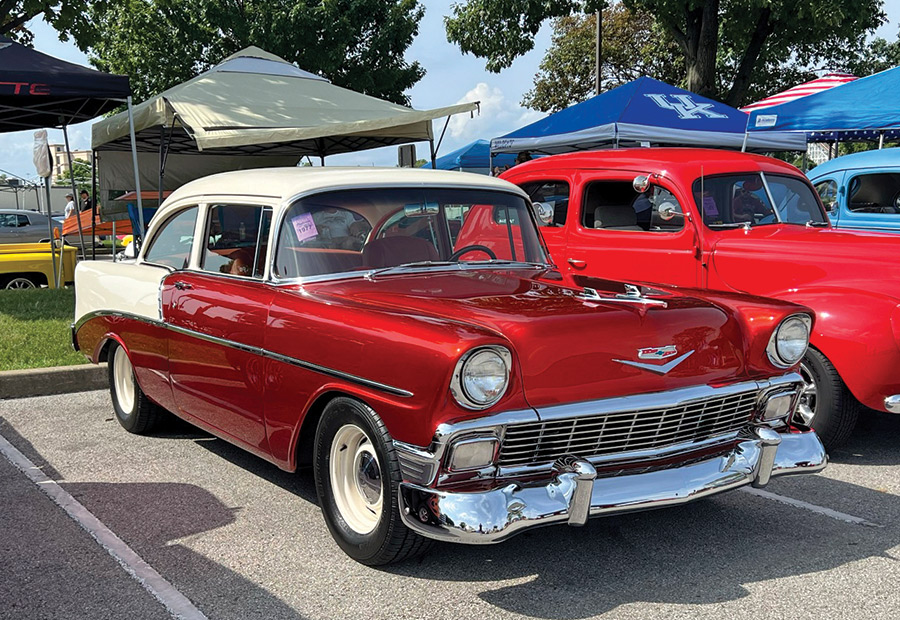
(473, 157)
(864, 109)
(644, 112)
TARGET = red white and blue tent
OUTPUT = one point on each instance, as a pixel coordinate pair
(829, 80)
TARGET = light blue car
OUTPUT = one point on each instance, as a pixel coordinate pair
(861, 191)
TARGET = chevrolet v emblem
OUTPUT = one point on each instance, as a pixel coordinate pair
(657, 368)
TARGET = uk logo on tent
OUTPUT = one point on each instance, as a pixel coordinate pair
(685, 106)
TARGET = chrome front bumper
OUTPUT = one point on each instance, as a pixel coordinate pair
(575, 492)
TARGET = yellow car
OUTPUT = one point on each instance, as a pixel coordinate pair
(28, 265)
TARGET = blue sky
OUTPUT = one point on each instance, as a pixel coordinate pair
(450, 77)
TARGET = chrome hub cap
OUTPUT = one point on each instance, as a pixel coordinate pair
(123, 380)
(806, 409)
(19, 283)
(356, 479)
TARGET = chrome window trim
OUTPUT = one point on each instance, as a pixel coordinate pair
(286, 205)
(370, 273)
(250, 349)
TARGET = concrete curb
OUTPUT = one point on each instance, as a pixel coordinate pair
(56, 380)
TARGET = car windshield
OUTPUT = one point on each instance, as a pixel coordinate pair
(364, 230)
(755, 199)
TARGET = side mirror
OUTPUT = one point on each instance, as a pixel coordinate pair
(130, 251)
(543, 212)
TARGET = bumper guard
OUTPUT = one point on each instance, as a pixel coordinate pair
(576, 493)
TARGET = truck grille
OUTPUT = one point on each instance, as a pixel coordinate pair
(626, 431)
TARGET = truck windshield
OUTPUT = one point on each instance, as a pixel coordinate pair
(423, 228)
(756, 199)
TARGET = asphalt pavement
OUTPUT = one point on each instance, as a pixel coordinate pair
(241, 539)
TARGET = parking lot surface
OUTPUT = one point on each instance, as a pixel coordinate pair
(241, 539)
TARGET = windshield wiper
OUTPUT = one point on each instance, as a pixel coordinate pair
(501, 261)
(723, 225)
(371, 275)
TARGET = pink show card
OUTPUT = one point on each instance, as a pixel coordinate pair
(304, 226)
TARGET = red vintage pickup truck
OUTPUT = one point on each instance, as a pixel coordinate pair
(726, 221)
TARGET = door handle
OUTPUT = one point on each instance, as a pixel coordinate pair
(181, 286)
(578, 264)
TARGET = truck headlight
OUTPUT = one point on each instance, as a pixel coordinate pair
(789, 342)
(481, 377)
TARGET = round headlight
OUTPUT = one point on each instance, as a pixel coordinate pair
(790, 340)
(481, 377)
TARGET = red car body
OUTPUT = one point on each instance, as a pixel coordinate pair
(850, 279)
(261, 360)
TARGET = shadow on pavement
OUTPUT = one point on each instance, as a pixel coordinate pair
(702, 553)
(875, 441)
(24, 446)
(153, 517)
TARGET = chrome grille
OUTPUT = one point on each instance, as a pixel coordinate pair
(626, 431)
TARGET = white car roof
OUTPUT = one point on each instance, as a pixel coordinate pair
(284, 183)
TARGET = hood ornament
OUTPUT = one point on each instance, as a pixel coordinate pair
(632, 295)
(657, 353)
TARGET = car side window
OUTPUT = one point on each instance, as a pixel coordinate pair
(171, 245)
(615, 205)
(236, 240)
(827, 191)
(22, 220)
(555, 194)
(7, 220)
(874, 193)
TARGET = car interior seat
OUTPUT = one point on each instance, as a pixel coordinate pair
(397, 250)
(616, 217)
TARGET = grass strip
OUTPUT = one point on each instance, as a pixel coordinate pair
(34, 329)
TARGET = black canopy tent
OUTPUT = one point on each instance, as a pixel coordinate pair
(37, 91)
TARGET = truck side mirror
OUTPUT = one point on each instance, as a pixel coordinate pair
(543, 212)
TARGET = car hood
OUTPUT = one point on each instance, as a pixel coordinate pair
(769, 260)
(569, 348)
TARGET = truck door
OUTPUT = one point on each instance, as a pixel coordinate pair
(622, 234)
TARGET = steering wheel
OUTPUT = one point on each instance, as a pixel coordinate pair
(472, 248)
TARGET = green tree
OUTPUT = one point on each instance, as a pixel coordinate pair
(358, 44)
(63, 15)
(82, 173)
(726, 45)
(632, 46)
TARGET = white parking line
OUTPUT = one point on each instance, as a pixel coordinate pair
(828, 512)
(179, 605)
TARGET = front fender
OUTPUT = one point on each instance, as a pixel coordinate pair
(859, 333)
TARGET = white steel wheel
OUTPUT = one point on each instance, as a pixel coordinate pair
(356, 480)
(134, 411)
(123, 380)
(19, 283)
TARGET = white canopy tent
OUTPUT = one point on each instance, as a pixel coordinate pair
(252, 110)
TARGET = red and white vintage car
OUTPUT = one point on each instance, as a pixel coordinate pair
(436, 375)
(726, 221)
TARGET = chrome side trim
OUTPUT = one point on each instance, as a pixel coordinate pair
(250, 349)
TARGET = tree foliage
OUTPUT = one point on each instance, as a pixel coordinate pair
(727, 46)
(358, 44)
(632, 46)
(82, 172)
(63, 15)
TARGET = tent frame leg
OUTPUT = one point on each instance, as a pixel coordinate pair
(74, 193)
(94, 204)
(137, 238)
(50, 227)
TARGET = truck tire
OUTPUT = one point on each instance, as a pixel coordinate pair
(18, 282)
(358, 484)
(826, 404)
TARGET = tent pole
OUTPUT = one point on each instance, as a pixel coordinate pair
(93, 203)
(50, 227)
(137, 178)
(433, 154)
(74, 193)
(880, 140)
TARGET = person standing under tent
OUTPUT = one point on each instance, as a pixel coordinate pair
(70, 205)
